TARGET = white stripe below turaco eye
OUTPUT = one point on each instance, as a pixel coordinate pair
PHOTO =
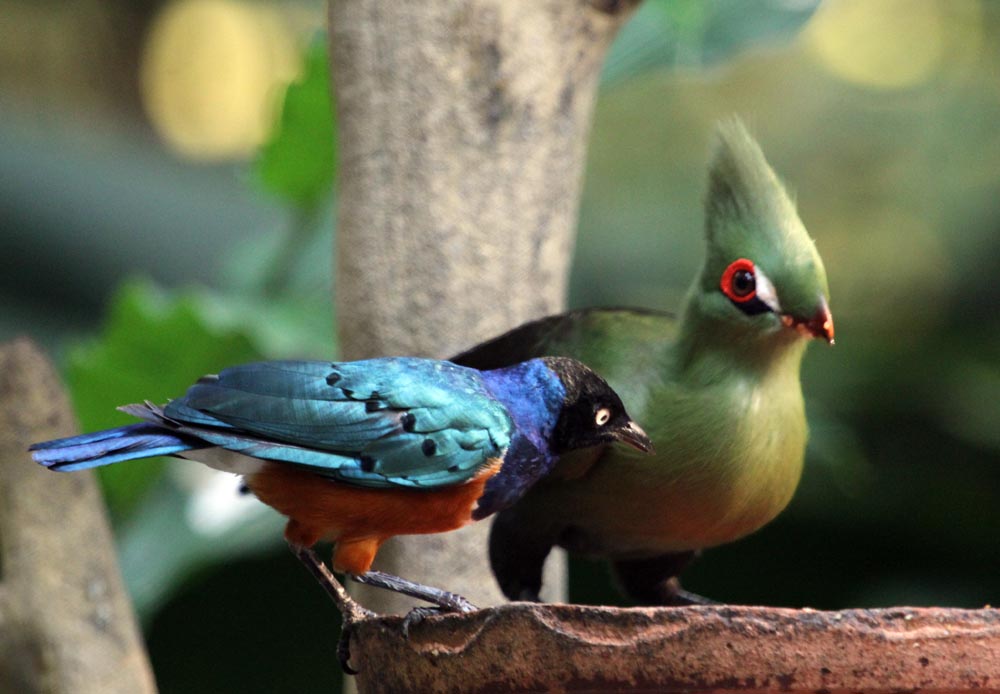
(765, 291)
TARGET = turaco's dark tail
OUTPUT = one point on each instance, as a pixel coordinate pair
(142, 440)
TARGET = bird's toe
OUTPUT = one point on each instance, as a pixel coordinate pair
(344, 649)
(418, 615)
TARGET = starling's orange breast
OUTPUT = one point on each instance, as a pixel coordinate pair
(360, 519)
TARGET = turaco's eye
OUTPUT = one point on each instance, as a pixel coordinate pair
(602, 416)
(739, 281)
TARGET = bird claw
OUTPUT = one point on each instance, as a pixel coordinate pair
(352, 614)
(344, 646)
(419, 614)
(344, 650)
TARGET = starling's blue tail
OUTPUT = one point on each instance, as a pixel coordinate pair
(141, 440)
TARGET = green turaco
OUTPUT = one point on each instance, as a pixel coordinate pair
(718, 391)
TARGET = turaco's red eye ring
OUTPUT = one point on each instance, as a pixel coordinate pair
(739, 281)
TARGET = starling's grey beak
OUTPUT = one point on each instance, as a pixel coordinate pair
(820, 325)
(634, 436)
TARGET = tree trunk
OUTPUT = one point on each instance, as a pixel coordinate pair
(66, 623)
(463, 126)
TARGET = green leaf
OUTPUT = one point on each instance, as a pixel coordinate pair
(152, 347)
(297, 162)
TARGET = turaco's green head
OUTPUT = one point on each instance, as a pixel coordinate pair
(763, 281)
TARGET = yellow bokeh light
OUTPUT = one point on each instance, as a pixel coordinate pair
(209, 72)
(888, 44)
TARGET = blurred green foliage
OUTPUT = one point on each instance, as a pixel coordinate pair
(297, 161)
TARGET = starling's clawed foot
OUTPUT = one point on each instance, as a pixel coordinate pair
(449, 602)
(350, 610)
(419, 614)
(353, 613)
(344, 648)
(443, 600)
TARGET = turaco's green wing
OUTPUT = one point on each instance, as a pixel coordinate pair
(628, 347)
(394, 422)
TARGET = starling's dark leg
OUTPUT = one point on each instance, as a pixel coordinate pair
(350, 610)
(442, 598)
(654, 581)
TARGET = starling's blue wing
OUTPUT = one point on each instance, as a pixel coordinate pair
(382, 422)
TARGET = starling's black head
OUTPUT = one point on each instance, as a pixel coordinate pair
(592, 413)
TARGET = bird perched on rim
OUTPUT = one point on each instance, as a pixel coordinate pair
(359, 452)
(718, 390)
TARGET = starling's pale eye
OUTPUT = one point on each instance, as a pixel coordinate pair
(602, 416)
(739, 282)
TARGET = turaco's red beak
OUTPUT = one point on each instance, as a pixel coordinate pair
(820, 325)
